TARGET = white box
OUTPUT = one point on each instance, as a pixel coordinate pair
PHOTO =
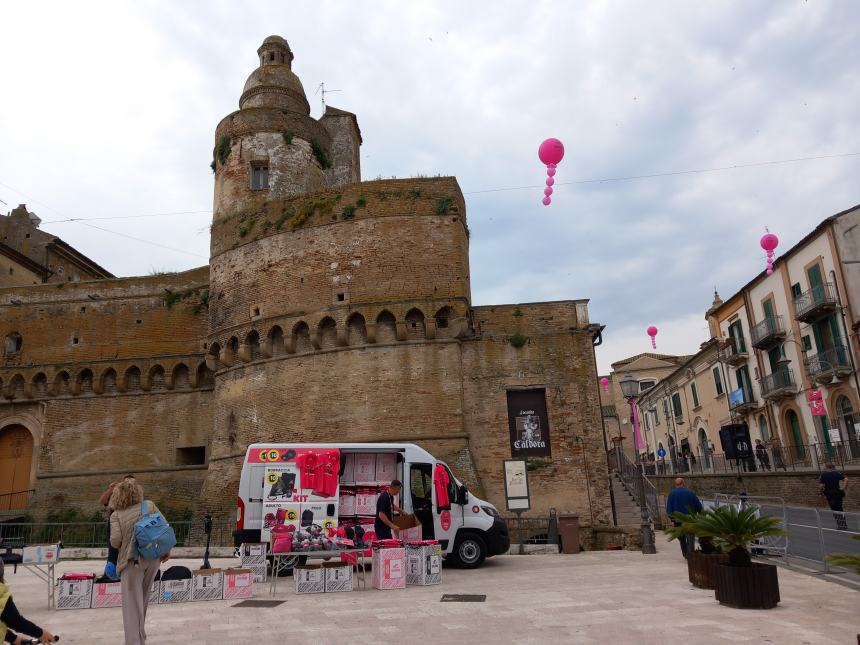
(424, 564)
(346, 502)
(74, 594)
(207, 584)
(174, 591)
(348, 476)
(386, 467)
(309, 578)
(365, 501)
(389, 568)
(155, 592)
(106, 594)
(365, 468)
(253, 556)
(238, 583)
(338, 576)
(41, 554)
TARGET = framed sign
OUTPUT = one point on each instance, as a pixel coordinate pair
(528, 423)
(516, 485)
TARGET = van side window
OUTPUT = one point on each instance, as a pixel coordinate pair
(452, 486)
(421, 482)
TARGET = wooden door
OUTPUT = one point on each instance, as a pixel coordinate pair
(16, 458)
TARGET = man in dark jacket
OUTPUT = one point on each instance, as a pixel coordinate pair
(683, 500)
(829, 487)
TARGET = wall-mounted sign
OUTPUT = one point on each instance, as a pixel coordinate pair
(516, 485)
(816, 403)
(528, 423)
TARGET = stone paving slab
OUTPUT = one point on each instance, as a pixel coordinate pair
(593, 597)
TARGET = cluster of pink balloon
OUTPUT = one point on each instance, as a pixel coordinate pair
(769, 242)
(604, 383)
(550, 152)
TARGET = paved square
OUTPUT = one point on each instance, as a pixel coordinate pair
(593, 597)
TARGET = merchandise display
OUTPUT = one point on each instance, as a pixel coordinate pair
(74, 591)
(338, 576)
(424, 563)
(238, 583)
(309, 578)
(389, 565)
(207, 584)
(106, 594)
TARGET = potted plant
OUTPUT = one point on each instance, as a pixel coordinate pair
(701, 561)
(740, 582)
(847, 560)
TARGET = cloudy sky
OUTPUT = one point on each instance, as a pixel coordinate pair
(109, 109)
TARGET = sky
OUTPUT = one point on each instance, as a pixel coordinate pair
(108, 112)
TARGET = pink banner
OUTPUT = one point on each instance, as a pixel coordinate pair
(816, 403)
(637, 437)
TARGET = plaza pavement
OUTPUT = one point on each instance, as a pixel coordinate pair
(594, 597)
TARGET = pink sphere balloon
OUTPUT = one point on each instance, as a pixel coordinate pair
(769, 241)
(550, 181)
(604, 381)
(546, 201)
(551, 151)
(547, 191)
(652, 331)
(551, 172)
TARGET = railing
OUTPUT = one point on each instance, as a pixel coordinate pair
(745, 400)
(528, 530)
(780, 382)
(15, 501)
(629, 473)
(733, 352)
(94, 535)
(829, 362)
(767, 332)
(820, 298)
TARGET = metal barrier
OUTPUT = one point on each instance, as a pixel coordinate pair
(528, 530)
(774, 507)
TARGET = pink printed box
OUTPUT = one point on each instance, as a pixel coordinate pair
(365, 468)
(106, 594)
(386, 464)
(346, 503)
(238, 583)
(365, 501)
(389, 568)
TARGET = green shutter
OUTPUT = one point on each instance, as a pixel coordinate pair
(695, 395)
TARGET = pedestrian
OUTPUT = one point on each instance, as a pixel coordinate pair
(761, 455)
(136, 574)
(683, 500)
(104, 500)
(776, 451)
(830, 489)
(384, 525)
(11, 619)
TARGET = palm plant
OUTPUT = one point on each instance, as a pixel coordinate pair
(731, 530)
(686, 526)
(846, 559)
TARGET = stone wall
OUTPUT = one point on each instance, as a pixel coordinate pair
(796, 488)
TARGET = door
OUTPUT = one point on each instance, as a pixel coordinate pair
(16, 460)
(421, 494)
(446, 518)
(799, 451)
(767, 307)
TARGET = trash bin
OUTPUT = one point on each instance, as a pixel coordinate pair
(568, 530)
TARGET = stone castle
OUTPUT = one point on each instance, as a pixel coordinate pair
(331, 310)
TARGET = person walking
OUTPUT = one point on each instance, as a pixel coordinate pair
(761, 455)
(104, 500)
(829, 489)
(683, 500)
(11, 619)
(136, 574)
(776, 451)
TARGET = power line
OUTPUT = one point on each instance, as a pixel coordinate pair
(138, 239)
(669, 174)
(93, 219)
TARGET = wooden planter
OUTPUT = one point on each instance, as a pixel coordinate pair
(755, 587)
(700, 567)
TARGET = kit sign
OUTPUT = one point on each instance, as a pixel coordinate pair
(528, 423)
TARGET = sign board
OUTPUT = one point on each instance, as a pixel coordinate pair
(516, 485)
(736, 398)
(834, 435)
(528, 423)
(736, 442)
(816, 403)
(661, 452)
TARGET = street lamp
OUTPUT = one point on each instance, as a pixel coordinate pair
(630, 388)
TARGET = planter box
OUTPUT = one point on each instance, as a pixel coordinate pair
(700, 567)
(755, 587)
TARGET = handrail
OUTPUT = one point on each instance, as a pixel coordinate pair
(628, 473)
(822, 294)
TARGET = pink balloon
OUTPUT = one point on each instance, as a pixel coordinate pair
(546, 201)
(551, 151)
(551, 172)
(652, 331)
(769, 242)
(547, 191)
(550, 181)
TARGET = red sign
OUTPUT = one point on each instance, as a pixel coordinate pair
(816, 403)
(445, 520)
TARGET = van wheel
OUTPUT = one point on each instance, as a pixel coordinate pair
(469, 550)
(287, 565)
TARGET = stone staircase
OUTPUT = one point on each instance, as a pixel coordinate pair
(627, 510)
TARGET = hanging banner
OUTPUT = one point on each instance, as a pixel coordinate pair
(528, 423)
(816, 403)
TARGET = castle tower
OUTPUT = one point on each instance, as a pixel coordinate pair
(271, 148)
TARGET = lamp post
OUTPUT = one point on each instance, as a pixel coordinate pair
(630, 388)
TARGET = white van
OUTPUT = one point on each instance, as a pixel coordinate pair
(278, 486)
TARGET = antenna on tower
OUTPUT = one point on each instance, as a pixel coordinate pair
(322, 91)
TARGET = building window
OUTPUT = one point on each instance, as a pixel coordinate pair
(644, 386)
(795, 290)
(807, 343)
(192, 456)
(14, 343)
(11, 271)
(666, 409)
(718, 381)
(736, 331)
(260, 176)
(676, 405)
(695, 394)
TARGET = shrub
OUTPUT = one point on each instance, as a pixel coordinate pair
(348, 211)
(222, 150)
(288, 137)
(442, 205)
(518, 339)
(361, 202)
(320, 154)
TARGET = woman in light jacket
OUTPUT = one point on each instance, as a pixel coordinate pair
(136, 575)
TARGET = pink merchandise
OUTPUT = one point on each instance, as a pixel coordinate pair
(389, 568)
(325, 479)
(386, 465)
(238, 583)
(346, 503)
(441, 481)
(308, 468)
(365, 468)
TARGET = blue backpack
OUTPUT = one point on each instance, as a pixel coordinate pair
(153, 537)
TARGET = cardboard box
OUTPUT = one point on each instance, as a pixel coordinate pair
(207, 584)
(365, 468)
(423, 564)
(386, 467)
(309, 578)
(238, 583)
(389, 568)
(106, 594)
(410, 528)
(74, 594)
(155, 592)
(338, 576)
(346, 502)
(253, 556)
(365, 501)
(348, 476)
(174, 591)
(41, 554)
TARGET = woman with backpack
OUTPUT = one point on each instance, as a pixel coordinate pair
(136, 573)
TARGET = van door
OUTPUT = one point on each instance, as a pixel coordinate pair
(421, 496)
(446, 519)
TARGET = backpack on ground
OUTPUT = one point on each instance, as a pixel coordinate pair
(153, 537)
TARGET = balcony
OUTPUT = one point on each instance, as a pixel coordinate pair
(741, 401)
(731, 354)
(829, 364)
(818, 302)
(779, 385)
(768, 333)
